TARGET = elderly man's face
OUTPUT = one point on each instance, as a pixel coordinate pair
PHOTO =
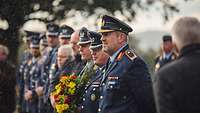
(61, 57)
(74, 42)
(85, 52)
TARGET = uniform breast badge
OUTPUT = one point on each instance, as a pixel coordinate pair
(93, 97)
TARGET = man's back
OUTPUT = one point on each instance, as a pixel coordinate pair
(177, 85)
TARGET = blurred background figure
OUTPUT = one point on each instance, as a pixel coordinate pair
(168, 52)
(65, 34)
(7, 82)
(43, 44)
(32, 77)
(176, 85)
(3, 53)
(78, 62)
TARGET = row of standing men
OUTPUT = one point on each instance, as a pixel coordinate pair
(118, 79)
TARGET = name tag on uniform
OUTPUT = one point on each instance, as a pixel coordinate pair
(113, 82)
(113, 78)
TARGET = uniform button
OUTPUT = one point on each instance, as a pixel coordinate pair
(111, 86)
(94, 89)
(101, 97)
(86, 91)
(83, 99)
(103, 84)
(82, 107)
(99, 110)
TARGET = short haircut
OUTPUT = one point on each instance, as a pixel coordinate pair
(186, 30)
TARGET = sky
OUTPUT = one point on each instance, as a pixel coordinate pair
(149, 26)
(143, 24)
(153, 20)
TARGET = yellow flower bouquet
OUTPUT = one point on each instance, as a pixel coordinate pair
(66, 94)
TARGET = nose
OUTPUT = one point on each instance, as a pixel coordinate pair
(103, 38)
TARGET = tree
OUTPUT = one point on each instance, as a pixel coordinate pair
(17, 12)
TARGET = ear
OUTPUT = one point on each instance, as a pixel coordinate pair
(122, 37)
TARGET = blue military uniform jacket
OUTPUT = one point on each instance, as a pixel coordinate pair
(90, 101)
(32, 81)
(126, 86)
(161, 61)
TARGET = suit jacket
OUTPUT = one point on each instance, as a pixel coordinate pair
(177, 85)
(7, 87)
(126, 85)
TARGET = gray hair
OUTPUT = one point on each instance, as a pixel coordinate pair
(4, 49)
(186, 31)
(69, 51)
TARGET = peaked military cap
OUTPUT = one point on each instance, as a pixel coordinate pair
(95, 40)
(35, 41)
(29, 34)
(43, 40)
(52, 29)
(84, 36)
(66, 32)
(108, 24)
(167, 38)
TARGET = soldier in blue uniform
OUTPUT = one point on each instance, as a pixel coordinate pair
(22, 71)
(65, 34)
(126, 86)
(90, 100)
(89, 70)
(32, 79)
(53, 43)
(168, 53)
(84, 43)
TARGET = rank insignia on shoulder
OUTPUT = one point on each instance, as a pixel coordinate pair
(130, 54)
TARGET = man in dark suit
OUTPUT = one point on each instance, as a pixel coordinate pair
(7, 82)
(126, 84)
(176, 86)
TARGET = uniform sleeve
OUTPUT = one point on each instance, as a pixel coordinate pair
(163, 92)
(140, 85)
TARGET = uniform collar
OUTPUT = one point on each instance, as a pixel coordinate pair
(189, 49)
(113, 57)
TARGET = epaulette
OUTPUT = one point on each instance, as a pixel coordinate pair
(130, 54)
